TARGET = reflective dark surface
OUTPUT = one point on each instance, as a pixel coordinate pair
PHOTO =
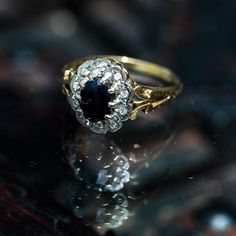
(168, 173)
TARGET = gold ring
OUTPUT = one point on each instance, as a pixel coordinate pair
(104, 90)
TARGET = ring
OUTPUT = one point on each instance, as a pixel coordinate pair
(104, 90)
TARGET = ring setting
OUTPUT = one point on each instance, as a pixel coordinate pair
(103, 94)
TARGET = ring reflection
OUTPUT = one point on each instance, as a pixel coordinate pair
(107, 170)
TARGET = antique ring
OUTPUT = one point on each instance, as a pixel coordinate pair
(103, 90)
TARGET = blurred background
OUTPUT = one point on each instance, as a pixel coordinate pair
(180, 178)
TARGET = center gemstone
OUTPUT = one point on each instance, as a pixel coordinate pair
(94, 100)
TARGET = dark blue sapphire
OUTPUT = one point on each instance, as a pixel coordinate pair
(94, 100)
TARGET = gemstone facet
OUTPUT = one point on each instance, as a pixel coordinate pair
(94, 100)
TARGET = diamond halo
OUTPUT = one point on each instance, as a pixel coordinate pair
(114, 83)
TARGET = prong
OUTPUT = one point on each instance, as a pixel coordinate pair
(90, 77)
(112, 104)
(84, 81)
(106, 77)
(107, 117)
(112, 90)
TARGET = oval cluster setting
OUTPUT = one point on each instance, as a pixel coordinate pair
(101, 95)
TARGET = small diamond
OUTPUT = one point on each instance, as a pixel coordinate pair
(124, 93)
(115, 87)
(77, 95)
(122, 162)
(115, 186)
(122, 110)
(114, 122)
(79, 110)
(83, 81)
(87, 63)
(100, 63)
(102, 177)
(84, 71)
(75, 86)
(103, 69)
(121, 199)
(118, 100)
(130, 84)
(99, 127)
(84, 67)
(96, 73)
(113, 125)
(117, 76)
(106, 78)
(74, 83)
(76, 107)
(123, 175)
(74, 102)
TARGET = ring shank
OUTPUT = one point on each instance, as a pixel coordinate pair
(156, 71)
